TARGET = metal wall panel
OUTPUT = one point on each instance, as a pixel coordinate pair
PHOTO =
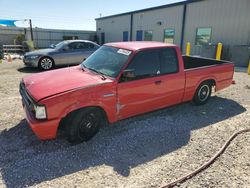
(241, 55)
(113, 28)
(42, 37)
(45, 37)
(158, 20)
(229, 20)
(8, 35)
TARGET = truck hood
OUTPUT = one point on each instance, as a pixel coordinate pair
(43, 85)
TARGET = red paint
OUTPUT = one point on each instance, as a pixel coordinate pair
(65, 90)
(49, 83)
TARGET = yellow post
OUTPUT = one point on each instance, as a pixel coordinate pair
(218, 52)
(248, 70)
(188, 48)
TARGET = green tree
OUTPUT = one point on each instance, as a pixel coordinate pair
(20, 38)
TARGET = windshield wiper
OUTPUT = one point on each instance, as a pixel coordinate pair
(96, 71)
(83, 67)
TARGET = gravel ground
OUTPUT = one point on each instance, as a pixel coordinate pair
(145, 151)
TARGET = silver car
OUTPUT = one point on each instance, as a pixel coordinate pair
(64, 53)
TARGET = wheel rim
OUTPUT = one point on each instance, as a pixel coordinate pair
(46, 63)
(87, 125)
(203, 93)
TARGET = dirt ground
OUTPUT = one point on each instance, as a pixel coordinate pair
(145, 151)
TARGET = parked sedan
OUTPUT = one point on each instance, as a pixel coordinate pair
(64, 53)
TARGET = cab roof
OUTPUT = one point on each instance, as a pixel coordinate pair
(139, 45)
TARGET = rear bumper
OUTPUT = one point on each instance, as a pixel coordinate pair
(45, 129)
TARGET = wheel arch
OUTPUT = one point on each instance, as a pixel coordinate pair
(212, 80)
(70, 113)
(46, 56)
(210, 83)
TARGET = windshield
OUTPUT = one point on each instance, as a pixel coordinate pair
(60, 44)
(107, 60)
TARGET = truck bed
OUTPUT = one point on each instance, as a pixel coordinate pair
(198, 69)
(196, 62)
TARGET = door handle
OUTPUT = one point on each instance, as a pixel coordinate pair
(158, 82)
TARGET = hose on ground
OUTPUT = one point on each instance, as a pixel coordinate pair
(207, 164)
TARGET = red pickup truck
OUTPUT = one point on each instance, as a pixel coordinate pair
(118, 81)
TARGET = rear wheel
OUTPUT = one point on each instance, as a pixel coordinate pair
(82, 125)
(46, 63)
(203, 93)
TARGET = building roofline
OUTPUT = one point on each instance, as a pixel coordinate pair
(148, 9)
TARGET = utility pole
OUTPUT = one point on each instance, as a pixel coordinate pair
(31, 31)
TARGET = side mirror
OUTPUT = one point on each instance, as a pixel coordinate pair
(52, 46)
(128, 74)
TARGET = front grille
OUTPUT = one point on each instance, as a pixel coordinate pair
(28, 102)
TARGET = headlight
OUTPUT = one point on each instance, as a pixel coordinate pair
(40, 112)
(33, 56)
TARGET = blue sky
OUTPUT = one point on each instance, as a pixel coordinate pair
(69, 14)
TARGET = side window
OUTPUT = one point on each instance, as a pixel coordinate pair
(74, 46)
(90, 45)
(78, 45)
(169, 61)
(145, 64)
(203, 36)
(82, 45)
(169, 36)
(148, 35)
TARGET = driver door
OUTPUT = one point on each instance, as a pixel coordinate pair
(141, 94)
(157, 82)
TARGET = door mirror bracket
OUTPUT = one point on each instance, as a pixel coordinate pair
(127, 75)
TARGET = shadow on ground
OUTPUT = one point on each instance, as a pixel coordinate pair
(25, 161)
(29, 70)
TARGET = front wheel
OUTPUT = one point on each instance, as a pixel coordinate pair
(46, 63)
(203, 93)
(82, 125)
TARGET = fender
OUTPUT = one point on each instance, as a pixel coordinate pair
(46, 56)
(75, 100)
(190, 91)
(204, 79)
(109, 111)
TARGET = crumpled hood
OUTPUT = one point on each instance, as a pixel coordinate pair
(40, 52)
(45, 84)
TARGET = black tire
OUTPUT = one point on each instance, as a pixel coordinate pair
(46, 63)
(82, 125)
(203, 93)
